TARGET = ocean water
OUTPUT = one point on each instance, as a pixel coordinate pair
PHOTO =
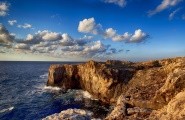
(25, 96)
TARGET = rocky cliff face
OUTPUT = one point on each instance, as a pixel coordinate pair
(145, 90)
(104, 81)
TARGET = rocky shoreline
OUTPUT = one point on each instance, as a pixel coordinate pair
(153, 90)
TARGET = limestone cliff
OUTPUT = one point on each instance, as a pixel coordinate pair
(144, 90)
(104, 81)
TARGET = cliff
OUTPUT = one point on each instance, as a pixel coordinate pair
(104, 81)
(139, 90)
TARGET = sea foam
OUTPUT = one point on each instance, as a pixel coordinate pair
(6, 109)
(44, 76)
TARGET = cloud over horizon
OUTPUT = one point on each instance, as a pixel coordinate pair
(56, 44)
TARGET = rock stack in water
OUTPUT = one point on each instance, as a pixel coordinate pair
(153, 90)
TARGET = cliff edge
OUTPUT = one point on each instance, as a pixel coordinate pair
(143, 90)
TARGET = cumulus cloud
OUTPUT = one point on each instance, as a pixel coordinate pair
(3, 8)
(51, 36)
(21, 46)
(43, 47)
(62, 39)
(5, 36)
(120, 3)
(12, 22)
(25, 26)
(92, 49)
(29, 37)
(55, 44)
(44, 35)
(68, 45)
(164, 5)
(126, 36)
(89, 26)
(171, 16)
(110, 32)
(67, 40)
(138, 36)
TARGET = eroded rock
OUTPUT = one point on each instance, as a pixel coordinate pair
(144, 90)
(71, 114)
(174, 110)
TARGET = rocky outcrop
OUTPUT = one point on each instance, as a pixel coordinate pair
(174, 110)
(64, 76)
(104, 81)
(144, 90)
(71, 114)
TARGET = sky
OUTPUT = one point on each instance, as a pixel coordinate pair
(81, 30)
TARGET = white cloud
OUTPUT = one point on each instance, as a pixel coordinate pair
(21, 46)
(171, 16)
(51, 36)
(67, 40)
(138, 36)
(44, 35)
(95, 47)
(43, 47)
(3, 8)
(29, 37)
(12, 22)
(120, 3)
(124, 37)
(25, 26)
(164, 5)
(55, 44)
(89, 26)
(89, 50)
(109, 33)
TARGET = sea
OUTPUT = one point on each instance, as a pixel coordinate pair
(25, 96)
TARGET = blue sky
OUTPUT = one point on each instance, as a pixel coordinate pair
(78, 30)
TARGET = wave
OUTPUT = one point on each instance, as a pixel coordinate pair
(81, 94)
(52, 88)
(44, 75)
(6, 109)
(44, 88)
(40, 89)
